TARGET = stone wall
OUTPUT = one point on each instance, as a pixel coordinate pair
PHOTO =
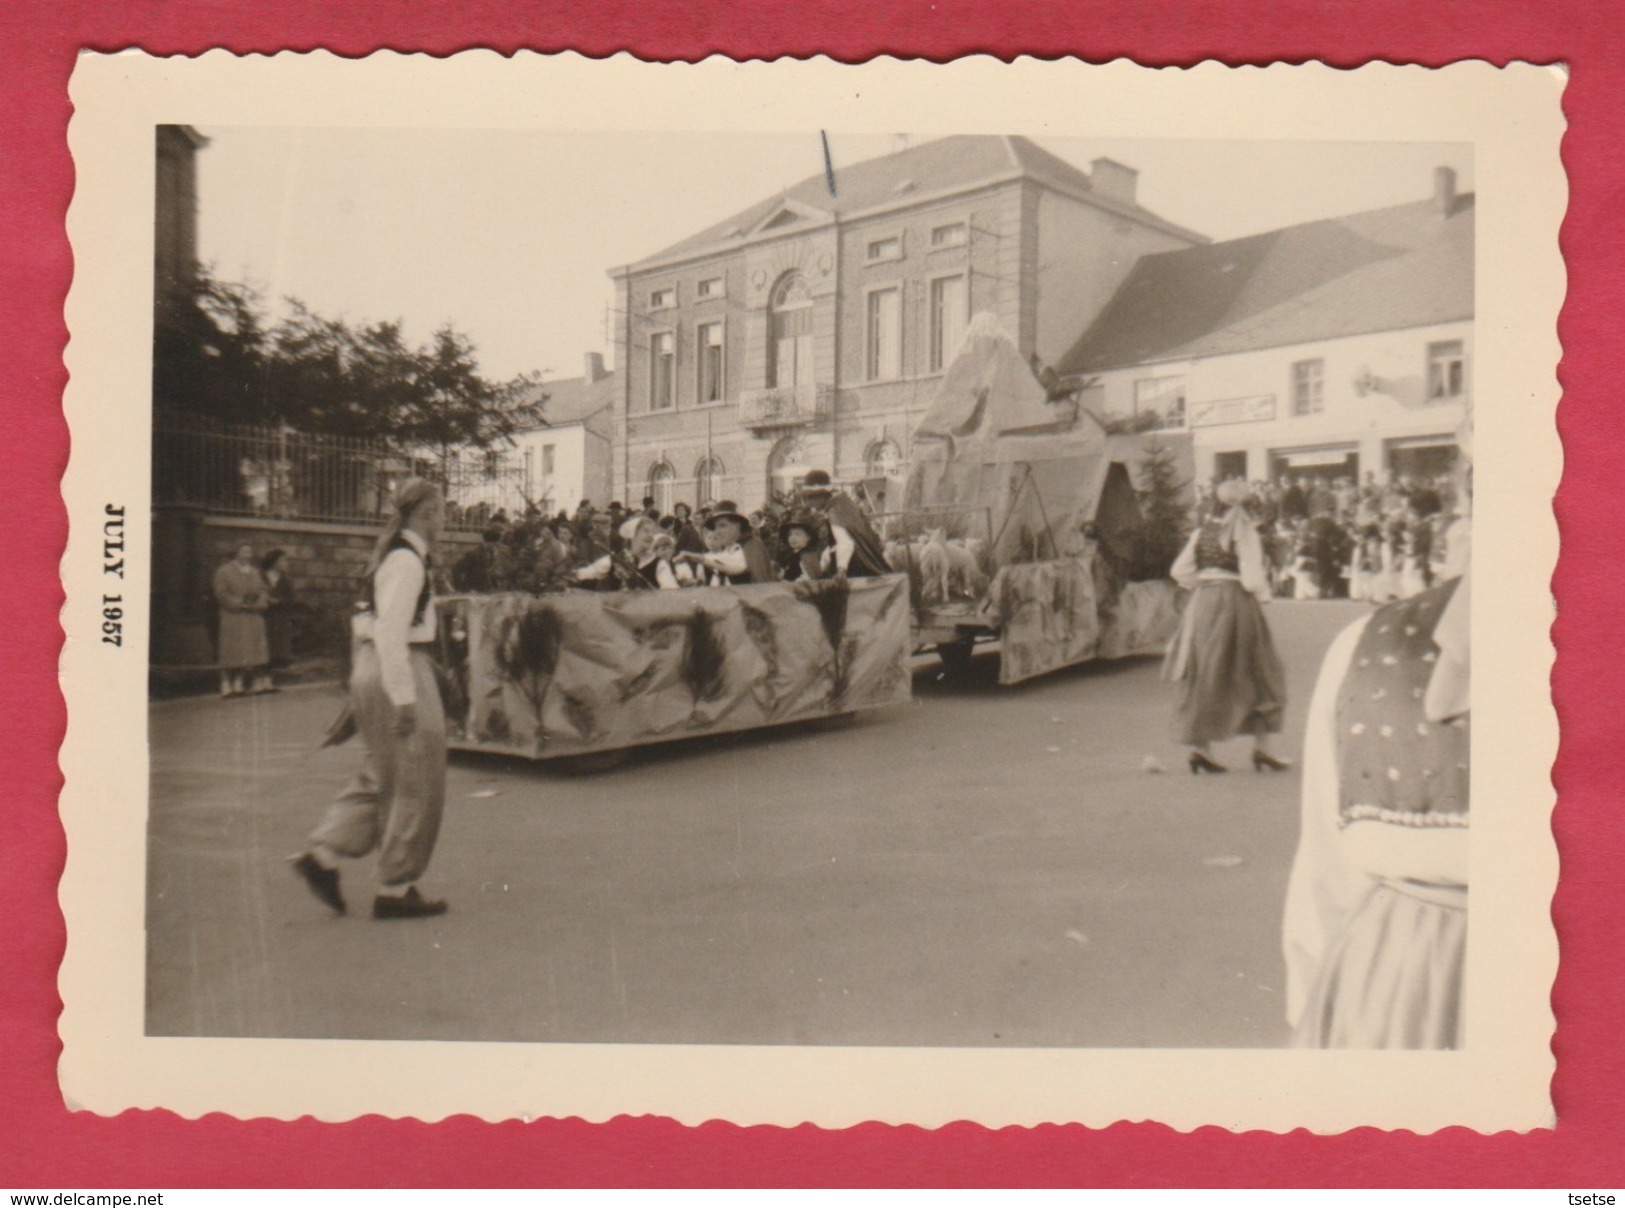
(324, 561)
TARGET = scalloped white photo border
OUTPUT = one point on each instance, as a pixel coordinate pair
(1512, 117)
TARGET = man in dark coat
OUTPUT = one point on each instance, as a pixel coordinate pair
(859, 552)
(738, 556)
(1294, 503)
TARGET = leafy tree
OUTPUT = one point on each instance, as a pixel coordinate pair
(217, 355)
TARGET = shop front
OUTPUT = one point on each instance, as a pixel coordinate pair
(1420, 457)
(1325, 462)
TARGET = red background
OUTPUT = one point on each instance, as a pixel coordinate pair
(43, 1145)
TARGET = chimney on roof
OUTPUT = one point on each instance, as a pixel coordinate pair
(1114, 180)
(1444, 189)
(595, 368)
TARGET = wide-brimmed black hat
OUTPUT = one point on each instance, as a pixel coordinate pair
(729, 514)
(804, 522)
(817, 483)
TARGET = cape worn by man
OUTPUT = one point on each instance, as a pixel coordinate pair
(858, 549)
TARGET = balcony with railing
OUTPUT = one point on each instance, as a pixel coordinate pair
(785, 406)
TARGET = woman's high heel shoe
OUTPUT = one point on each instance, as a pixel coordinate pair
(1201, 763)
(1263, 762)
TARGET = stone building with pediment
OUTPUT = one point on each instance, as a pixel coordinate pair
(812, 330)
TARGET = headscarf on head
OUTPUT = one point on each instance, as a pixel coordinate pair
(1449, 686)
(1232, 495)
(410, 494)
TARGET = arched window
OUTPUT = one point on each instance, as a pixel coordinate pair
(708, 480)
(662, 480)
(786, 465)
(883, 460)
(790, 338)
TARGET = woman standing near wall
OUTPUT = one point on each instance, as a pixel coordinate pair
(1230, 678)
(279, 614)
(241, 593)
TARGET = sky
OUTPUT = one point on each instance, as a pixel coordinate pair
(510, 235)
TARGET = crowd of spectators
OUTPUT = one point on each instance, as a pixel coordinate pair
(1334, 538)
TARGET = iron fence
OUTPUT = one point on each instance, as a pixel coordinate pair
(238, 470)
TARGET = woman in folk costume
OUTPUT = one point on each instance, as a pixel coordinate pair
(280, 599)
(241, 593)
(803, 557)
(395, 802)
(1375, 925)
(645, 566)
(1230, 678)
(1367, 563)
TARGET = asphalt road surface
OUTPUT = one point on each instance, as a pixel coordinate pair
(986, 867)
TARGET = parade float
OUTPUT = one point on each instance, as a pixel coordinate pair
(585, 674)
(1021, 521)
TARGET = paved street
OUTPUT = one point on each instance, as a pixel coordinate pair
(987, 866)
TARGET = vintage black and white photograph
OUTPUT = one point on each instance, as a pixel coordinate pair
(813, 588)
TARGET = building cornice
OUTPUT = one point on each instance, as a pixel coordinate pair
(910, 201)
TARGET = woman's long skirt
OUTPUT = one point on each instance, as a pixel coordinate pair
(279, 635)
(243, 646)
(1230, 678)
(1394, 978)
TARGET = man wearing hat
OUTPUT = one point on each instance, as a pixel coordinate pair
(858, 550)
(737, 555)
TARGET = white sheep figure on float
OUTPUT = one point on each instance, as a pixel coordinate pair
(993, 450)
(949, 567)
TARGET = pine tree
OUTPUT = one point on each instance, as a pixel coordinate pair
(1166, 513)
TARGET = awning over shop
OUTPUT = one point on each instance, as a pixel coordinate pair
(1316, 457)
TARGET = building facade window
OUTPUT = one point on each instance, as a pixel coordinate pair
(708, 480)
(889, 248)
(953, 234)
(1308, 387)
(884, 346)
(1163, 397)
(662, 371)
(790, 335)
(950, 313)
(1447, 371)
(883, 460)
(663, 299)
(710, 361)
(547, 461)
(786, 465)
(711, 287)
(662, 483)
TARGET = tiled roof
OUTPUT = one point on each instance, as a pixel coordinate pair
(1404, 266)
(572, 400)
(920, 170)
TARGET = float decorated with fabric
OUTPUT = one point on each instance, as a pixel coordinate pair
(577, 673)
(1021, 520)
